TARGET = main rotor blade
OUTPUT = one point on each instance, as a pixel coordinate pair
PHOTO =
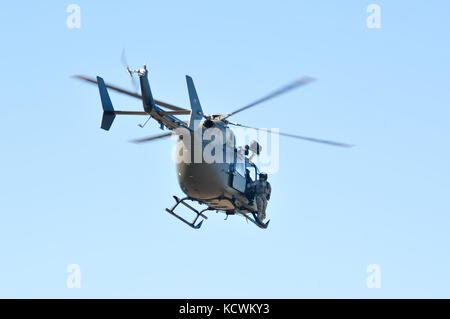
(284, 89)
(310, 139)
(128, 112)
(124, 91)
(175, 113)
(151, 138)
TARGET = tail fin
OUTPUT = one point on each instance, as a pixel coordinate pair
(147, 97)
(196, 108)
(108, 109)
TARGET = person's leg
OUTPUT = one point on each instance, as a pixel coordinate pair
(259, 204)
(263, 210)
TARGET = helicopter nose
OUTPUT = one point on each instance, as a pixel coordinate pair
(200, 180)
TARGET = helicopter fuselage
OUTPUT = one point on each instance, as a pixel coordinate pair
(218, 181)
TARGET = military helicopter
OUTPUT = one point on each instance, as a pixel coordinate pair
(222, 186)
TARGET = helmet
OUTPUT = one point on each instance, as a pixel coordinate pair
(263, 176)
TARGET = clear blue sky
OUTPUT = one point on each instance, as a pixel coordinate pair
(71, 193)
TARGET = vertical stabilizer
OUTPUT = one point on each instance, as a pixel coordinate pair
(108, 109)
(196, 108)
(147, 97)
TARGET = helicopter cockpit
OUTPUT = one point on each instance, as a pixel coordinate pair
(251, 175)
(251, 171)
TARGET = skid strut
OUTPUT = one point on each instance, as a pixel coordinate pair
(197, 212)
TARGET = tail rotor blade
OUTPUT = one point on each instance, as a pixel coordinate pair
(124, 61)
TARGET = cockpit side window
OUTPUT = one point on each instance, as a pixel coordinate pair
(240, 168)
(252, 171)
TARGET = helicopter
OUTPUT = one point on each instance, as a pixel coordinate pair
(220, 185)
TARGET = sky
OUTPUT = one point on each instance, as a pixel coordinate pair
(71, 193)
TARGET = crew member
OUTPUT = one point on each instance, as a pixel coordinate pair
(262, 195)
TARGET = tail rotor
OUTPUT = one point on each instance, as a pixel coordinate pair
(130, 72)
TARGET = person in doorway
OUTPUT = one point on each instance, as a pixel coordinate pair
(262, 195)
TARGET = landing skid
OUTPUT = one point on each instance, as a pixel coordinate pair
(198, 213)
(254, 220)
